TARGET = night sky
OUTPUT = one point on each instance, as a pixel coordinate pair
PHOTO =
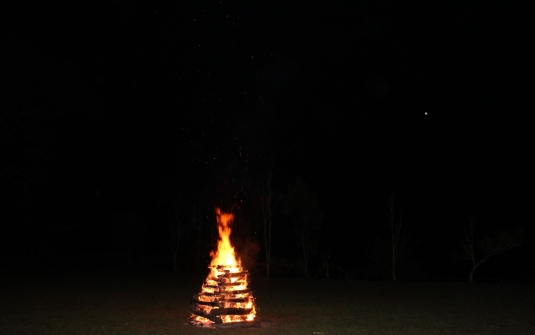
(111, 110)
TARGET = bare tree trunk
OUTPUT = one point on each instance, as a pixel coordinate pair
(199, 238)
(325, 264)
(175, 228)
(494, 245)
(393, 264)
(305, 247)
(468, 244)
(302, 205)
(395, 231)
(305, 261)
(266, 198)
(267, 229)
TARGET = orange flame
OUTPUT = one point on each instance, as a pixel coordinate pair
(224, 255)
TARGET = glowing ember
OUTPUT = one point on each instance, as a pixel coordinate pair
(225, 297)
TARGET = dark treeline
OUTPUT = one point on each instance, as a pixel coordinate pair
(123, 125)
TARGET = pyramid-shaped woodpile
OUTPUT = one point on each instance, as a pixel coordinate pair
(225, 299)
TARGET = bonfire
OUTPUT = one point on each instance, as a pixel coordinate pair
(225, 299)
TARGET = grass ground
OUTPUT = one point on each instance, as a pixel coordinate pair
(158, 303)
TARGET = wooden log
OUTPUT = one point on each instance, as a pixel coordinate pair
(237, 283)
(205, 303)
(233, 275)
(236, 299)
(214, 318)
(225, 268)
(242, 324)
(234, 292)
(231, 311)
(223, 294)
(220, 302)
(210, 286)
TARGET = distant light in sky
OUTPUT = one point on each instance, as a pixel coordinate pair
(425, 113)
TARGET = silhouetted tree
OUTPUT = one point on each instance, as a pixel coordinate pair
(131, 232)
(302, 206)
(394, 224)
(479, 251)
(177, 223)
(324, 266)
(380, 255)
(267, 204)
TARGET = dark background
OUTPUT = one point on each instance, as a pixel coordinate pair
(110, 111)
